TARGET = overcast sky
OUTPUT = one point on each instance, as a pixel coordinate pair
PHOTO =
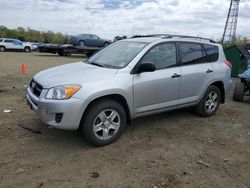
(108, 18)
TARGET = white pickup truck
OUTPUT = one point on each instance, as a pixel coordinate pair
(15, 44)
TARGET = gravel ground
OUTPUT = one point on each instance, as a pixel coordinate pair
(173, 149)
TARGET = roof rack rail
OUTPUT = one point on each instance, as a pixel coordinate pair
(153, 35)
(165, 36)
(190, 37)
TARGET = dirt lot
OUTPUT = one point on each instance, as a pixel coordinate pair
(158, 151)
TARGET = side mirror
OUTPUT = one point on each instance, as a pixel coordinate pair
(146, 67)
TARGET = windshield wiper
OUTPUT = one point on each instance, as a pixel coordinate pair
(93, 63)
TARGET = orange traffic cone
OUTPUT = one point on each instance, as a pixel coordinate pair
(24, 69)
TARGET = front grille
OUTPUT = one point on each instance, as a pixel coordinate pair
(36, 88)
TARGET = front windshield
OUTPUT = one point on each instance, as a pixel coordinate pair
(117, 55)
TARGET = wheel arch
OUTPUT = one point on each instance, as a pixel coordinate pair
(116, 97)
(82, 40)
(220, 85)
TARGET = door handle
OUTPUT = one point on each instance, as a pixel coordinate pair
(209, 71)
(176, 75)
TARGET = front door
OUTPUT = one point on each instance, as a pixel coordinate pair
(159, 89)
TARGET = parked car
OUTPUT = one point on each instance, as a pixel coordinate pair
(48, 47)
(131, 78)
(242, 88)
(88, 40)
(15, 44)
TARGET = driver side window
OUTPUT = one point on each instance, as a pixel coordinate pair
(162, 56)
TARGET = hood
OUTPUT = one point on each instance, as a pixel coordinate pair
(74, 73)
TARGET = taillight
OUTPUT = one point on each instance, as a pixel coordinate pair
(228, 63)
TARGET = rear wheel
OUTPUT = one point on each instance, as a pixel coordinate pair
(27, 49)
(104, 122)
(82, 43)
(2, 49)
(210, 102)
(239, 91)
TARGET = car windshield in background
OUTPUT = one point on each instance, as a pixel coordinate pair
(117, 55)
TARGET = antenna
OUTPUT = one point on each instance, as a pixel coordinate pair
(229, 34)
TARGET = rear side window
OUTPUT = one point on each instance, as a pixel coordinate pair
(1, 40)
(212, 52)
(8, 41)
(191, 53)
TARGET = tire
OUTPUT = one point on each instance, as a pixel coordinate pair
(239, 91)
(27, 49)
(2, 48)
(82, 43)
(98, 117)
(210, 102)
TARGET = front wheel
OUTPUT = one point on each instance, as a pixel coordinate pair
(104, 122)
(210, 102)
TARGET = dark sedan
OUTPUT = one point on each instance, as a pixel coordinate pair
(88, 40)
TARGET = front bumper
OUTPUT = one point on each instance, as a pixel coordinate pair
(47, 110)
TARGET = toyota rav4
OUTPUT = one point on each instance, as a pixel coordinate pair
(130, 79)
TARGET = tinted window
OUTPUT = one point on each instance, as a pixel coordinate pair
(1, 40)
(95, 37)
(212, 52)
(191, 53)
(8, 41)
(162, 56)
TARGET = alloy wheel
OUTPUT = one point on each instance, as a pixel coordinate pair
(106, 124)
(211, 101)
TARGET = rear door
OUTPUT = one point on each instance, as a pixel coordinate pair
(196, 71)
(8, 44)
(92, 41)
(159, 89)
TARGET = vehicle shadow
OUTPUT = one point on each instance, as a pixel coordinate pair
(73, 140)
(52, 137)
(168, 126)
(164, 118)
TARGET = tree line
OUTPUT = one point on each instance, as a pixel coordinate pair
(32, 35)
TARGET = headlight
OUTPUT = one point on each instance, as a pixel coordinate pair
(62, 92)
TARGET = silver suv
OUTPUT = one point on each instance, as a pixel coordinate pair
(14, 44)
(129, 79)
